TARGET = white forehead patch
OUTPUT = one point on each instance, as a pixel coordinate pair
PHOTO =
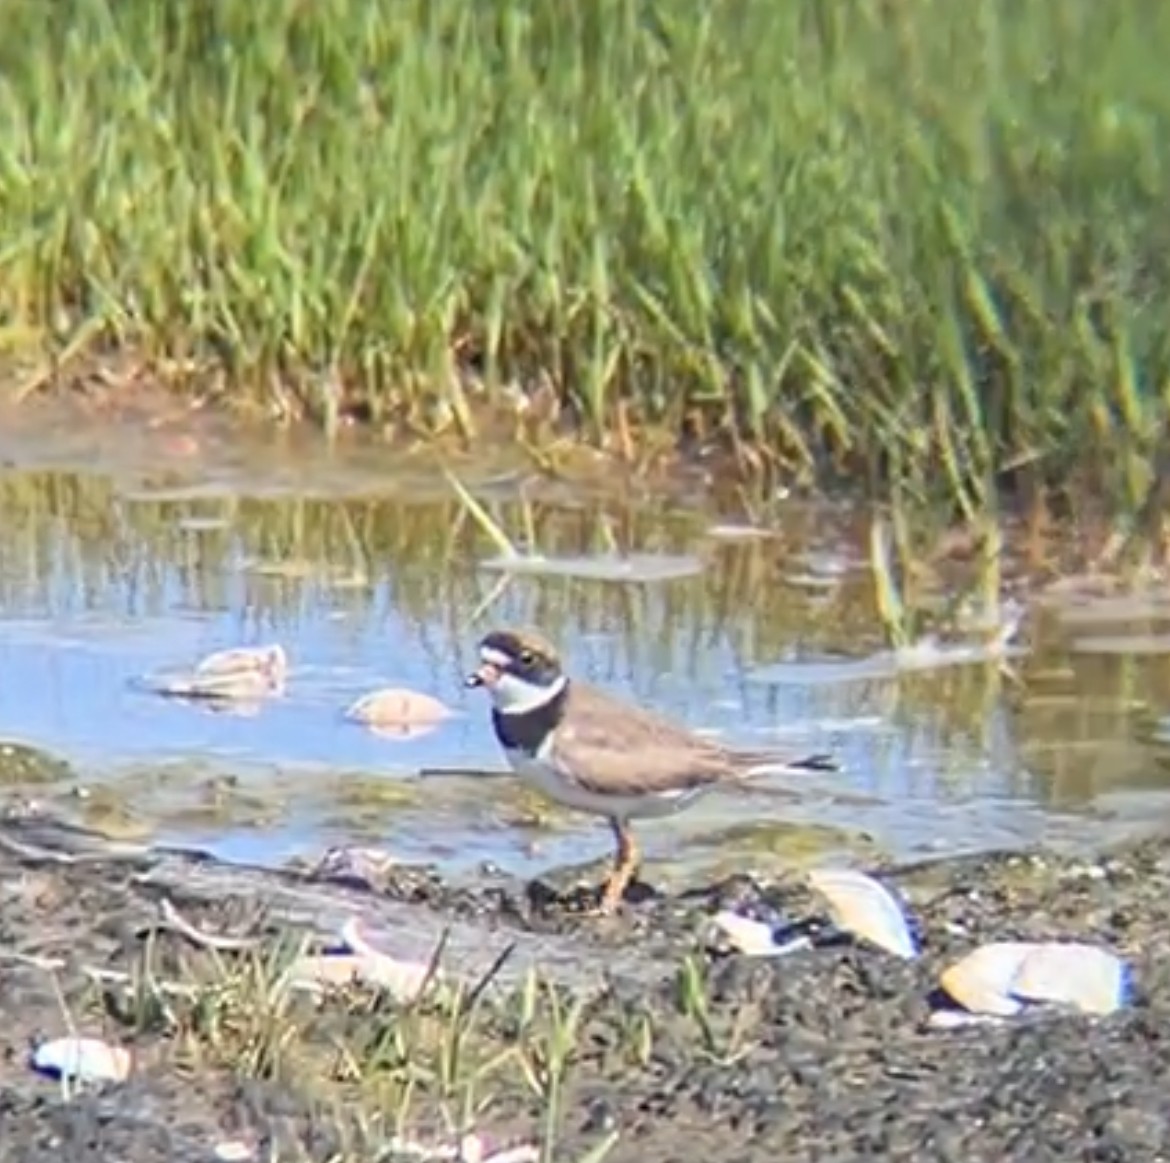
(494, 657)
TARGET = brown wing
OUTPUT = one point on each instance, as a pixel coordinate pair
(611, 747)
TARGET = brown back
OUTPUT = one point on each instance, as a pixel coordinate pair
(612, 747)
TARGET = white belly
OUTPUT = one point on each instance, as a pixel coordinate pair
(547, 780)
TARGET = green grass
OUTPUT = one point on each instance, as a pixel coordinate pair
(909, 240)
(384, 1071)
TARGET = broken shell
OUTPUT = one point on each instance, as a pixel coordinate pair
(981, 982)
(754, 938)
(240, 675)
(947, 1019)
(354, 939)
(1087, 977)
(245, 672)
(365, 865)
(82, 1059)
(355, 959)
(233, 1151)
(398, 713)
(1004, 977)
(522, 1153)
(744, 934)
(403, 980)
(267, 660)
(864, 907)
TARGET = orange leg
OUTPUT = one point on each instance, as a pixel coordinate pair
(624, 868)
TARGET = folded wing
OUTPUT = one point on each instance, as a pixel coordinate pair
(609, 747)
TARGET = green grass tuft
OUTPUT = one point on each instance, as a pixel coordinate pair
(907, 239)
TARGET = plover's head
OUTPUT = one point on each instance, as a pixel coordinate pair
(518, 669)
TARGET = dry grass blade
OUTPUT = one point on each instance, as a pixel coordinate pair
(480, 516)
(888, 599)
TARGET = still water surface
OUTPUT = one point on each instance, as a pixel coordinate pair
(126, 553)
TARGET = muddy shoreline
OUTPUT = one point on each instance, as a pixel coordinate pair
(821, 1055)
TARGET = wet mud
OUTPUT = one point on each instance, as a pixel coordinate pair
(660, 1045)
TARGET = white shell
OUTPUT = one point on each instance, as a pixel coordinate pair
(358, 960)
(960, 1020)
(1002, 977)
(355, 862)
(396, 712)
(981, 982)
(862, 906)
(232, 1151)
(1090, 978)
(523, 1153)
(238, 660)
(353, 939)
(747, 936)
(401, 979)
(242, 674)
(83, 1059)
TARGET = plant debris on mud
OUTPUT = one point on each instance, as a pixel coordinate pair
(624, 1038)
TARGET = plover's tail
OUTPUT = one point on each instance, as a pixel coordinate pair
(819, 762)
(765, 762)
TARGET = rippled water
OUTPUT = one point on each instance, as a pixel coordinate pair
(127, 551)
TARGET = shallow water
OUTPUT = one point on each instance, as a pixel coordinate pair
(134, 548)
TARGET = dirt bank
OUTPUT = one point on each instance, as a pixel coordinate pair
(638, 1037)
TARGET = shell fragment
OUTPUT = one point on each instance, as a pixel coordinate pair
(241, 675)
(1005, 977)
(862, 906)
(82, 1060)
(355, 960)
(398, 713)
(751, 937)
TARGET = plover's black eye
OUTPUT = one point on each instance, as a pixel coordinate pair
(527, 658)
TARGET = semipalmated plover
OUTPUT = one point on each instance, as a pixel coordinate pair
(589, 750)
